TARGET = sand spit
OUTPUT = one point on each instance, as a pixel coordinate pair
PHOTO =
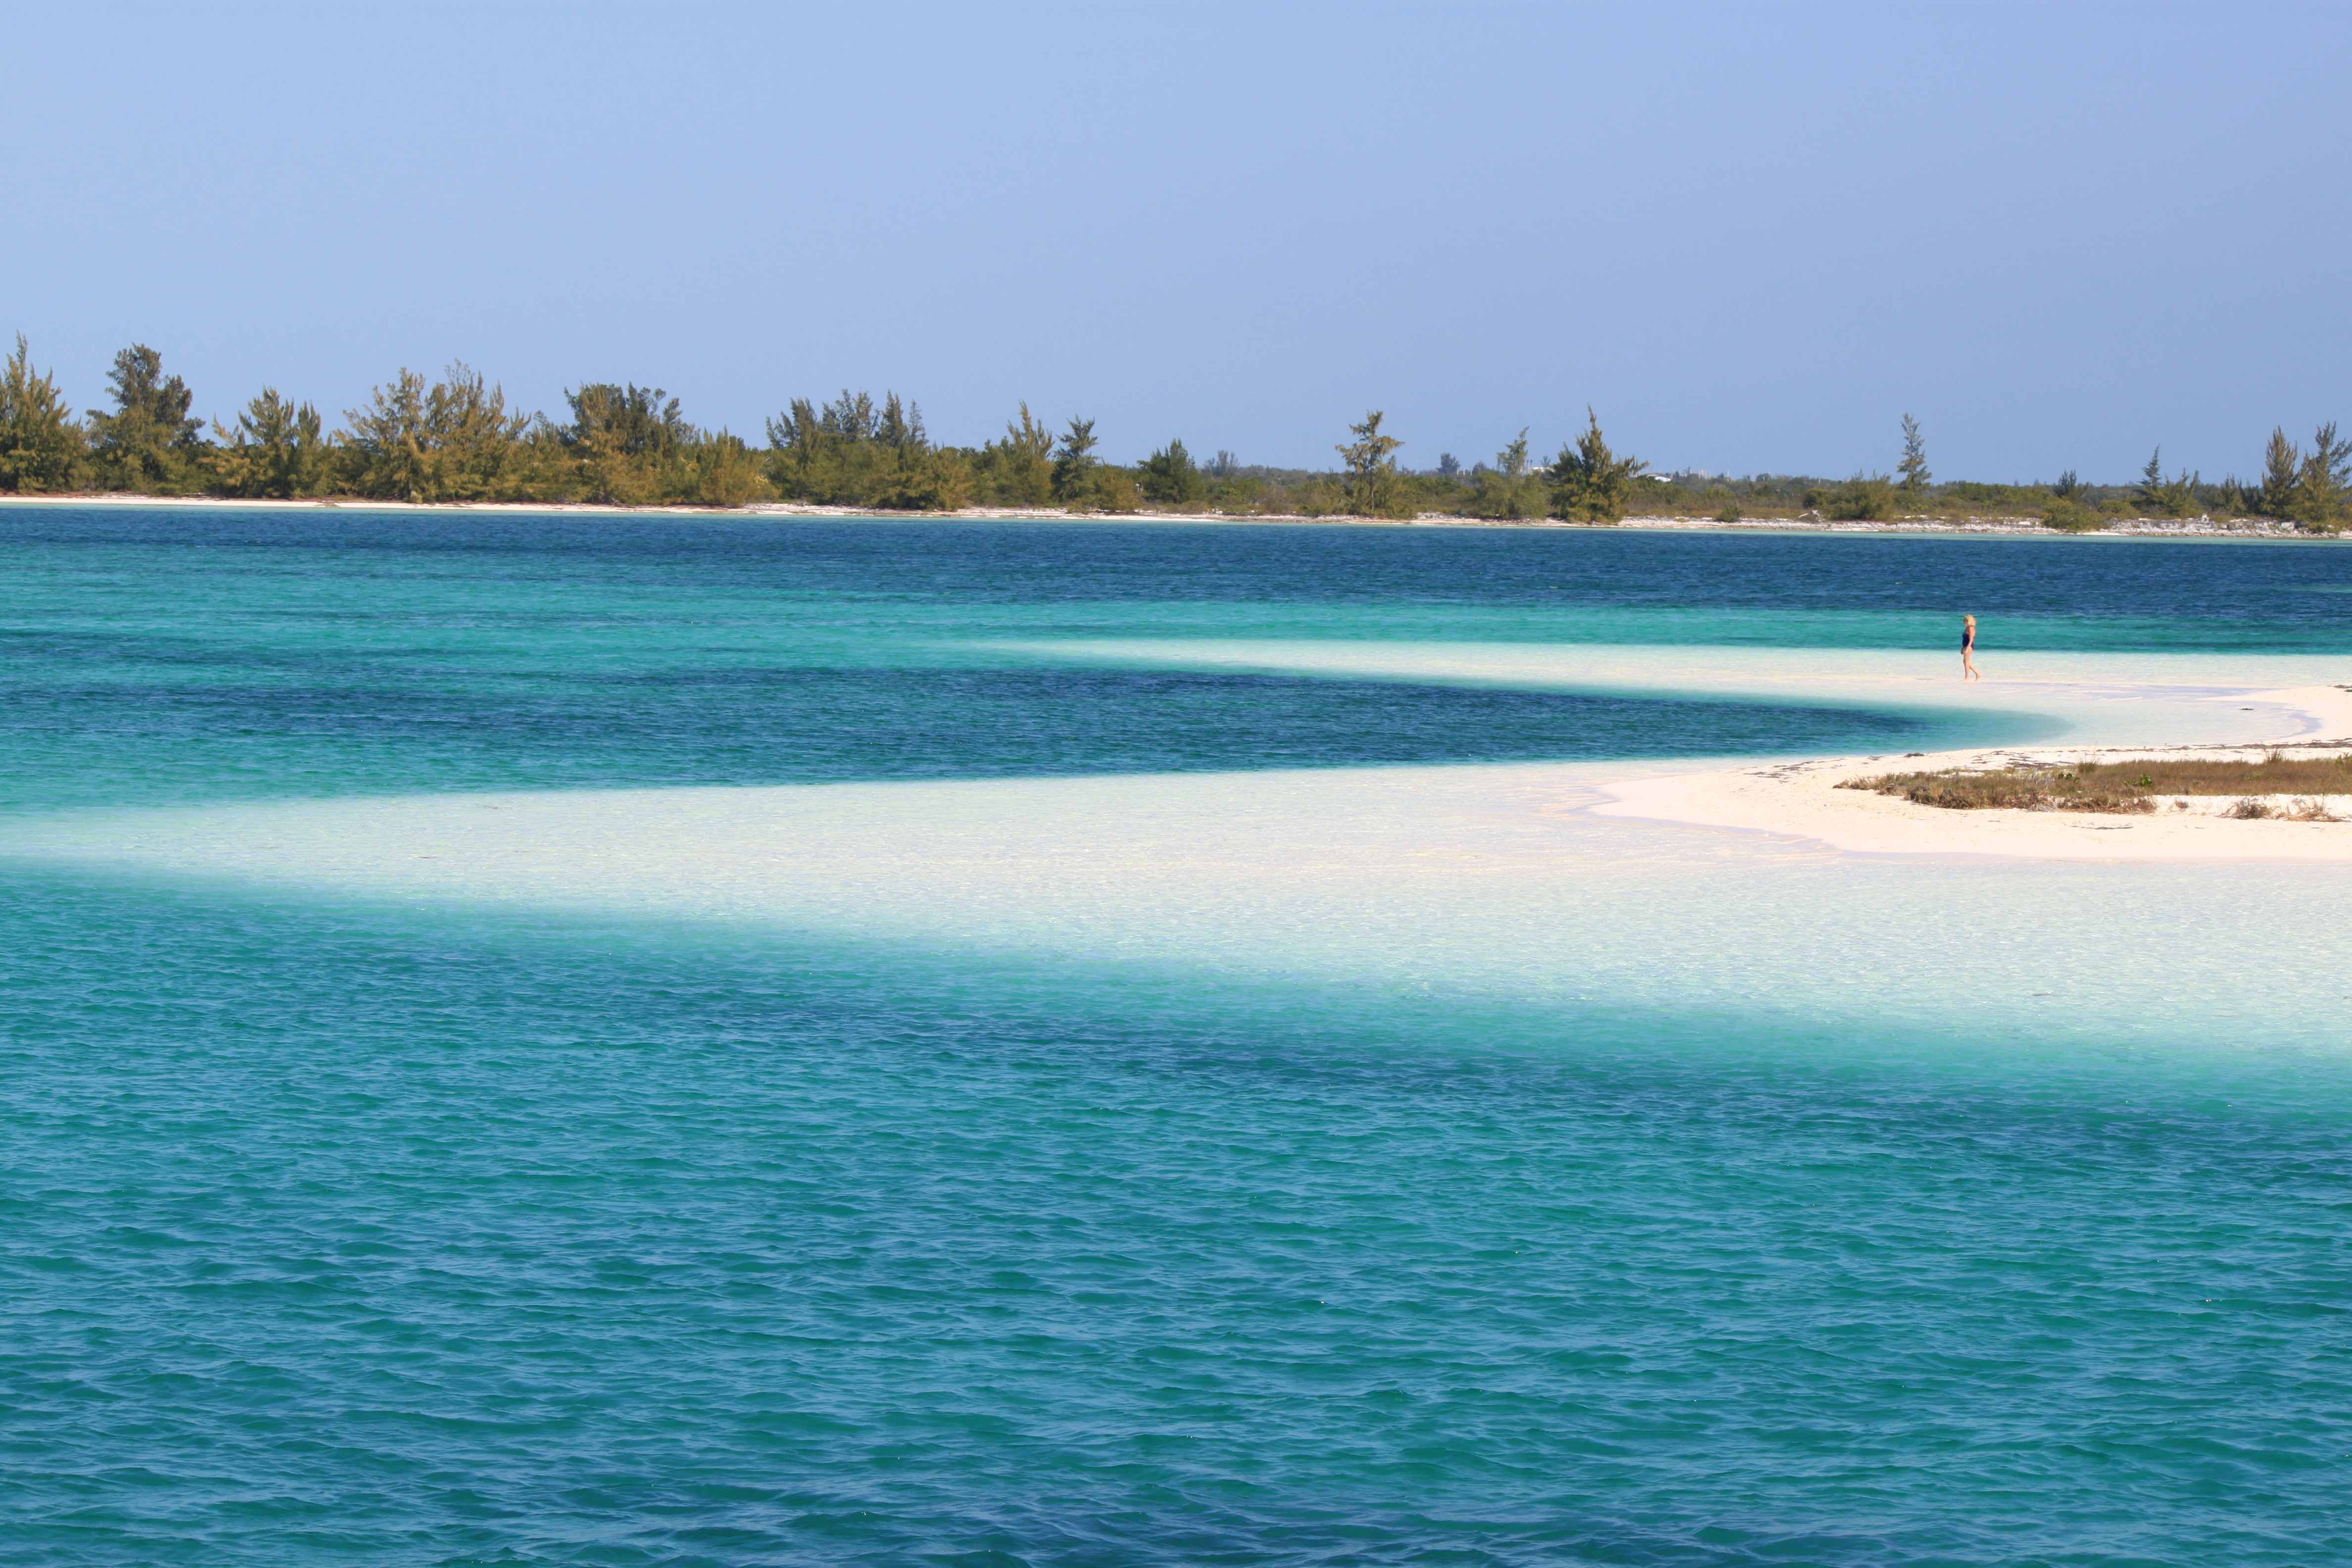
(1802, 799)
(2138, 527)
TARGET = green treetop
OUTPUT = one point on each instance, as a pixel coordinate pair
(1171, 478)
(1021, 465)
(275, 450)
(40, 444)
(149, 442)
(1074, 464)
(1590, 482)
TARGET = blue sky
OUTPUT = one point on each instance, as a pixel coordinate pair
(1752, 235)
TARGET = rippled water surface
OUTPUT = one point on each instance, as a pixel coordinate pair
(377, 1224)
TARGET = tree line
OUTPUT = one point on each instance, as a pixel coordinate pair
(2310, 486)
(446, 441)
(456, 440)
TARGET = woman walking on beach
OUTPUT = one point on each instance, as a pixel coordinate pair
(1968, 670)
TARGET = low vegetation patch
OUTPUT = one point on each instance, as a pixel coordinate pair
(2131, 784)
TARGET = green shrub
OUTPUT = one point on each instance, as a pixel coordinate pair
(924, 479)
(1507, 492)
(2071, 516)
(719, 470)
(1865, 498)
(1170, 478)
(1109, 488)
(1241, 492)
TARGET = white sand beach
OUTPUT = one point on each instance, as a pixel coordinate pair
(1804, 798)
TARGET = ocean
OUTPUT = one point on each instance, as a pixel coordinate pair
(662, 1040)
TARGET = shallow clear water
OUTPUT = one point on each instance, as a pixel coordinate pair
(1079, 1167)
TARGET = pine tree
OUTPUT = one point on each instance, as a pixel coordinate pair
(2174, 496)
(275, 450)
(1590, 482)
(803, 462)
(1074, 464)
(41, 445)
(924, 479)
(451, 440)
(1020, 467)
(1370, 485)
(1914, 467)
(717, 469)
(478, 440)
(899, 428)
(2281, 468)
(388, 446)
(854, 451)
(850, 417)
(2323, 486)
(1170, 478)
(625, 437)
(148, 443)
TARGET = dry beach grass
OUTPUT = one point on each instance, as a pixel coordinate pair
(2132, 785)
(2283, 799)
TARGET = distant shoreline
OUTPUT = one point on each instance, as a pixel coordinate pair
(2128, 528)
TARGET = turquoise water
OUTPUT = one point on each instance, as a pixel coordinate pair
(383, 1225)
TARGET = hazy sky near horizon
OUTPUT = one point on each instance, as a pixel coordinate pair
(1750, 235)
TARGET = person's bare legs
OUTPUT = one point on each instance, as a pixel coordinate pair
(1969, 671)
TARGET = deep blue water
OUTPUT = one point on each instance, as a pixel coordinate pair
(336, 1231)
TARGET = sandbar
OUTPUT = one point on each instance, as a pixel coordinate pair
(1803, 798)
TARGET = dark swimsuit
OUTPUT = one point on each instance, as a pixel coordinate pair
(1968, 640)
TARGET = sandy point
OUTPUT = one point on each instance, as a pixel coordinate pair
(1803, 799)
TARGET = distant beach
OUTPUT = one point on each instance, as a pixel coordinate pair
(2133, 527)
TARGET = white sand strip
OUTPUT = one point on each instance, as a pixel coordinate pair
(1499, 881)
(1479, 881)
(2082, 698)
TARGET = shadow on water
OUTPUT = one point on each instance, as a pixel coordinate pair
(463, 1236)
